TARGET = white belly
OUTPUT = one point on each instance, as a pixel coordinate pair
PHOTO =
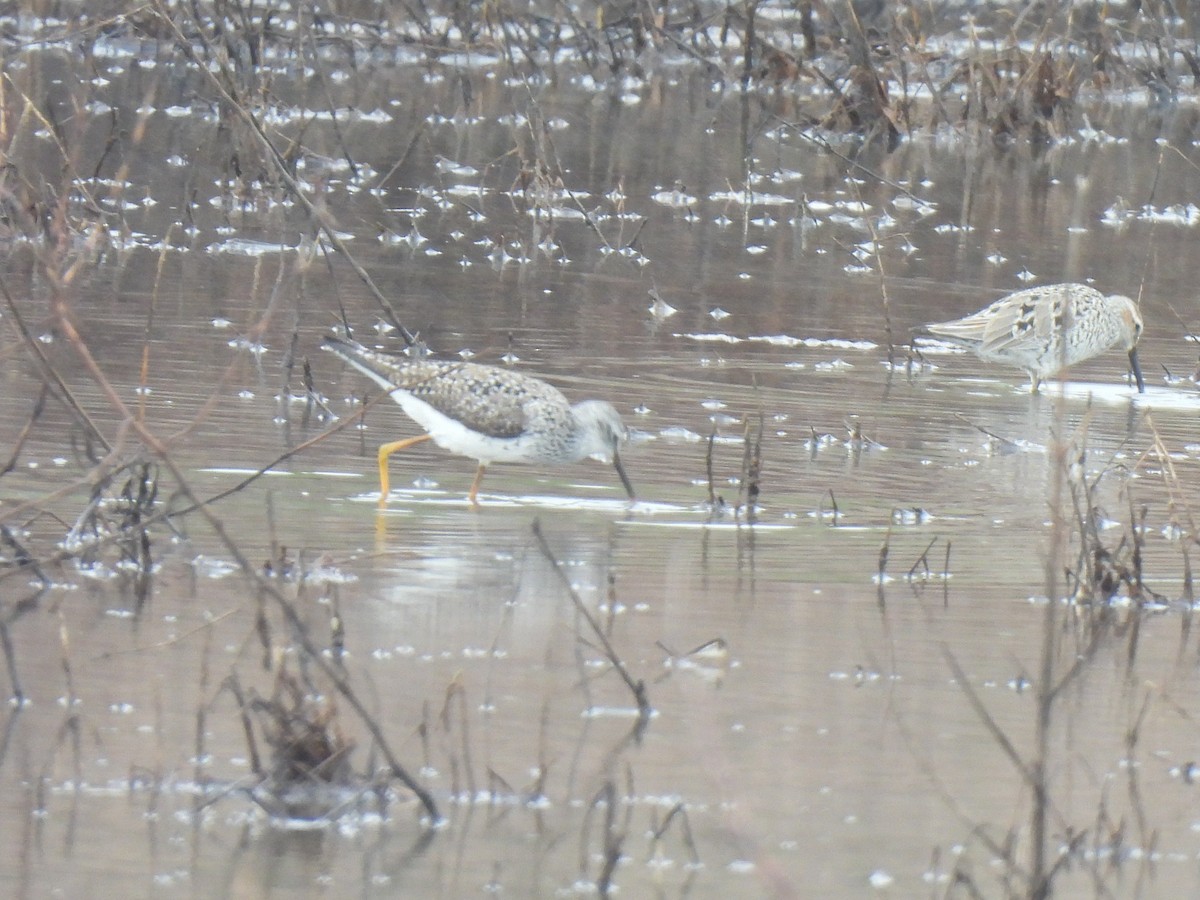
(452, 435)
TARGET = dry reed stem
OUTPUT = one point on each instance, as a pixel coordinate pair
(300, 631)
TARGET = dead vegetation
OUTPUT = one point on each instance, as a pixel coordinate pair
(308, 774)
(827, 69)
(1096, 604)
(745, 504)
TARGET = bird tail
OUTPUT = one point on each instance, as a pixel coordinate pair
(379, 367)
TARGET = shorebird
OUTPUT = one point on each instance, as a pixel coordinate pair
(1044, 330)
(487, 413)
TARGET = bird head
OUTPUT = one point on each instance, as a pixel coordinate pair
(1131, 333)
(601, 434)
(1131, 319)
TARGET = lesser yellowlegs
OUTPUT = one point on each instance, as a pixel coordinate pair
(1043, 330)
(487, 413)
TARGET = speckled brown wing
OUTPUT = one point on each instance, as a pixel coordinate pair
(486, 399)
(1034, 320)
(1016, 324)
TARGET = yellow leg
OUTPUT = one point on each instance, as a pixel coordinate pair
(387, 450)
(473, 497)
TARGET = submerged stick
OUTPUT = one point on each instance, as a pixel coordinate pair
(298, 627)
(636, 687)
(708, 469)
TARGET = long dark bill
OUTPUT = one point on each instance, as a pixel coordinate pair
(1137, 371)
(621, 471)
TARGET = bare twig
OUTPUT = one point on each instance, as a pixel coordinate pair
(636, 687)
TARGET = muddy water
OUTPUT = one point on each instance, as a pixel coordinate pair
(810, 736)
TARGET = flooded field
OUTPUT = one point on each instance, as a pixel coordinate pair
(879, 622)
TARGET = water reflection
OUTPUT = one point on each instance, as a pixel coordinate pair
(701, 264)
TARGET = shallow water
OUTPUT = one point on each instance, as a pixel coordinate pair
(818, 743)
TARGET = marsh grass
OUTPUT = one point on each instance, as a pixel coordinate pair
(842, 81)
(1097, 598)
